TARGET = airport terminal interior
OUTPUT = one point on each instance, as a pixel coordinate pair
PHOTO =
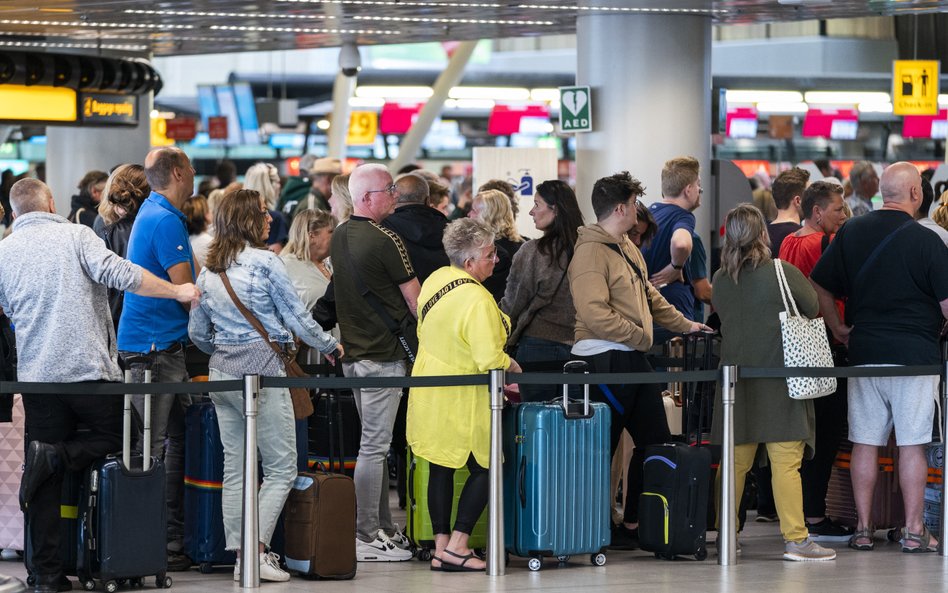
(748, 87)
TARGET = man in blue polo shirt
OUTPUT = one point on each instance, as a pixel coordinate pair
(158, 328)
(669, 251)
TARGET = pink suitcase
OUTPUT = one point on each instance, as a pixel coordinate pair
(11, 469)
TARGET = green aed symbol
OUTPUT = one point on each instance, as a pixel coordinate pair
(575, 109)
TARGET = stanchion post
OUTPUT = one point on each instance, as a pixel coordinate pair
(146, 425)
(127, 425)
(943, 533)
(249, 537)
(495, 533)
(727, 528)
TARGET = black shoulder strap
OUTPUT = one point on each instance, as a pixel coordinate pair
(372, 299)
(878, 251)
(437, 296)
(824, 242)
(635, 268)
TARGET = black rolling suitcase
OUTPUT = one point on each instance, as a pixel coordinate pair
(674, 501)
(122, 516)
(334, 432)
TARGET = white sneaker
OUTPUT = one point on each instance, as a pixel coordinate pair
(269, 569)
(807, 551)
(380, 550)
(398, 538)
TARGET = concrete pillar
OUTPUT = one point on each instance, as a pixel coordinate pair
(451, 76)
(72, 151)
(342, 89)
(650, 79)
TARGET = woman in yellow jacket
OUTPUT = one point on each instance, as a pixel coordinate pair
(461, 331)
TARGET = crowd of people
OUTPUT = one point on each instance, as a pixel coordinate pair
(250, 261)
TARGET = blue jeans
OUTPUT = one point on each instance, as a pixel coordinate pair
(532, 351)
(276, 441)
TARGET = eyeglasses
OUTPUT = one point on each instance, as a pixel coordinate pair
(390, 190)
(490, 256)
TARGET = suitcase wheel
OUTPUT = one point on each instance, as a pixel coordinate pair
(137, 582)
(163, 582)
(423, 554)
(563, 559)
(894, 535)
(111, 586)
(88, 585)
(206, 568)
(598, 559)
(702, 553)
(31, 580)
(535, 564)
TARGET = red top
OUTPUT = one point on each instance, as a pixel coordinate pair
(804, 252)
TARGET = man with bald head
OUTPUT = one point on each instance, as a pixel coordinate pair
(376, 294)
(54, 278)
(892, 273)
(159, 242)
(420, 226)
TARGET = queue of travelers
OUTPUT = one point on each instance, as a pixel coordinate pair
(388, 252)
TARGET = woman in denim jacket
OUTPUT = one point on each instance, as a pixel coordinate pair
(217, 327)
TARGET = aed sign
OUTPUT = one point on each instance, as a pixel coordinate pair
(915, 87)
(103, 108)
(575, 109)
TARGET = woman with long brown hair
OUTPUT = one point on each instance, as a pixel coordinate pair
(257, 277)
(125, 190)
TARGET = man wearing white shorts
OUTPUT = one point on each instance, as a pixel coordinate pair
(891, 271)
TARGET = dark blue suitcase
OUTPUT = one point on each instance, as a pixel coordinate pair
(123, 528)
(556, 478)
(203, 483)
(674, 501)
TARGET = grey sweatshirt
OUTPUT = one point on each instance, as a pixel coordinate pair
(54, 277)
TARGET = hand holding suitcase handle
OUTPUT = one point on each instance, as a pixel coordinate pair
(574, 367)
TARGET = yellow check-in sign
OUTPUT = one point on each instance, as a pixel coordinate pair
(915, 87)
(363, 127)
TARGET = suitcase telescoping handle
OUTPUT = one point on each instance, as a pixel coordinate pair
(576, 367)
(146, 416)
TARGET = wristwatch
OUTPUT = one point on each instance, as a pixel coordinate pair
(677, 267)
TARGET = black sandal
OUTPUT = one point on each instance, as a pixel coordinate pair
(448, 567)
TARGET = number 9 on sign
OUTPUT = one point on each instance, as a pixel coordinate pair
(363, 127)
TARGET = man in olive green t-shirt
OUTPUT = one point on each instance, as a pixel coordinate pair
(372, 350)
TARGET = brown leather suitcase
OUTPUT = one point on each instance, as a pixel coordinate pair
(320, 526)
(887, 508)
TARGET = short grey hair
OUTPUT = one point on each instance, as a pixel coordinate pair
(464, 238)
(412, 189)
(861, 170)
(29, 195)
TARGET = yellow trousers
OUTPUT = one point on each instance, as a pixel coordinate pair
(785, 459)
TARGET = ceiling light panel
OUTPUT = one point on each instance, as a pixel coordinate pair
(449, 21)
(302, 30)
(239, 15)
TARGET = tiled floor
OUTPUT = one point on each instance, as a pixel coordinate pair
(760, 569)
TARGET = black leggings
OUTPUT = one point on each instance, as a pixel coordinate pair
(472, 503)
(830, 414)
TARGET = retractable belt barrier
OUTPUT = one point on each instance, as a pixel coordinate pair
(495, 381)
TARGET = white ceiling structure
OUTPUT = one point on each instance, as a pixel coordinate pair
(175, 27)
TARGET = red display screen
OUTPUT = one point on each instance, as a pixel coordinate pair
(397, 118)
(925, 126)
(504, 120)
(838, 124)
